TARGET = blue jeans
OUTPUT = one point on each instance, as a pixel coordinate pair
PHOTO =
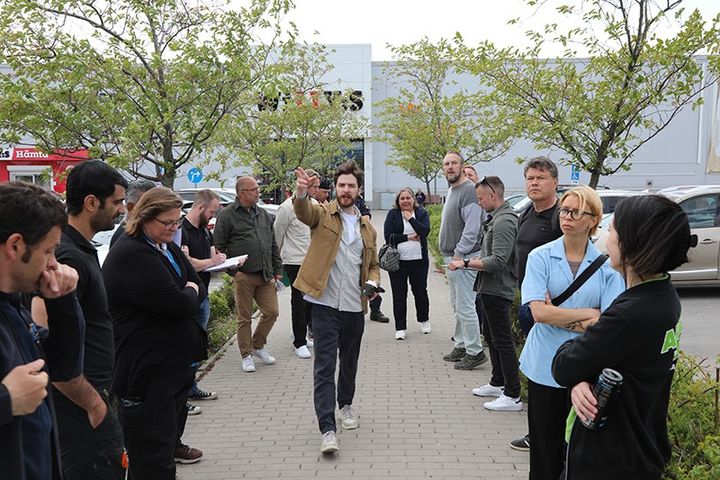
(203, 319)
(462, 300)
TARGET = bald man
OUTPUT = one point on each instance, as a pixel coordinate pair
(245, 229)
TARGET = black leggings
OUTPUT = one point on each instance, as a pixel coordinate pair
(416, 271)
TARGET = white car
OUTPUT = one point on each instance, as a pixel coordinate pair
(610, 198)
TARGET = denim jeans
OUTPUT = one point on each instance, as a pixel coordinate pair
(462, 300)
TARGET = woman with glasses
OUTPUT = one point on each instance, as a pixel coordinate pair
(637, 336)
(154, 297)
(551, 268)
(406, 228)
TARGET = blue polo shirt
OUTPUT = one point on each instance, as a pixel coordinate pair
(549, 271)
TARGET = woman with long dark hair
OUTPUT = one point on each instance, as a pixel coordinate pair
(407, 226)
(637, 337)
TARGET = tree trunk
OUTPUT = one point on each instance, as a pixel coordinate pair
(427, 186)
(594, 178)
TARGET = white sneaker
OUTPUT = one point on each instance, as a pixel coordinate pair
(263, 355)
(247, 364)
(348, 418)
(329, 442)
(425, 327)
(309, 342)
(400, 335)
(488, 391)
(302, 352)
(504, 404)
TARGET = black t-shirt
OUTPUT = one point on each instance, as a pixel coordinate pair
(199, 241)
(74, 250)
(534, 229)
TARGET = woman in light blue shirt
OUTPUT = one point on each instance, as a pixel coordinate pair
(551, 268)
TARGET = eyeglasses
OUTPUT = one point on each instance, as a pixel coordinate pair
(574, 214)
(169, 223)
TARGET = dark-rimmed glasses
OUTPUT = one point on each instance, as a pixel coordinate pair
(169, 223)
(574, 214)
(486, 183)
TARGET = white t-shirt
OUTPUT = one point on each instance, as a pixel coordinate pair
(410, 250)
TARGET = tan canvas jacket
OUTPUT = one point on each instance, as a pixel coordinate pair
(325, 233)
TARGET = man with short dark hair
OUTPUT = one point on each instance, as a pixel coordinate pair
(340, 274)
(245, 229)
(90, 434)
(537, 225)
(460, 239)
(31, 222)
(496, 286)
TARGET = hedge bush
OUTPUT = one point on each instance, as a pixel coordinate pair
(222, 324)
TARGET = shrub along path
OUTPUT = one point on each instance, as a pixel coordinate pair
(418, 418)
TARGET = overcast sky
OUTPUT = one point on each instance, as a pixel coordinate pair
(379, 22)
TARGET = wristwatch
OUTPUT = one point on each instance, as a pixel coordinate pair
(466, 262)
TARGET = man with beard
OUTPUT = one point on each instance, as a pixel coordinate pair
(90, 435)
(31, 222)
(339, 275)
(460, 239)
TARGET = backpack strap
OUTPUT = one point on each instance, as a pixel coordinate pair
(580, 280)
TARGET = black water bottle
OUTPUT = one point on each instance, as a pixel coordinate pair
(606, 390)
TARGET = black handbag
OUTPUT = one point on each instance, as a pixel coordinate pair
(389, 258)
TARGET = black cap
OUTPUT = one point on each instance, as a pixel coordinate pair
(325, 184)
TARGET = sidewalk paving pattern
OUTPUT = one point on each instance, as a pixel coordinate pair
(418, 418)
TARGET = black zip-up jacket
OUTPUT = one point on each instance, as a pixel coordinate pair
(637, 336)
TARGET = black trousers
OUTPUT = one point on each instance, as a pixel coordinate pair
(375, 304)
(301, 318)
(88, 453)
(153, 422)
(337, 334)
(479, 311)
(548, 408)
(497, 332)
(416, 271)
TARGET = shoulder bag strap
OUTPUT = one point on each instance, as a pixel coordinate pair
(578, 282)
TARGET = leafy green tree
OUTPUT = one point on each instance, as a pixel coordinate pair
(298, 120)
(599, 111)
(432, 113)
(142, 84)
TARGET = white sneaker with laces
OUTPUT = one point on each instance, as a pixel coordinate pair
(348, 419)
(248, 365)
(329, 442)
(263, 355)
(302, 352)
(425, 327)
(488, 391)
(504, 404)
(400, 335)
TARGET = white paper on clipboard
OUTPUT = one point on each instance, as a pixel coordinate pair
(231, 262)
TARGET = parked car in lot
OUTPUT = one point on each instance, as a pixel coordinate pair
(609, 197)
(227, 197)
(702, 205)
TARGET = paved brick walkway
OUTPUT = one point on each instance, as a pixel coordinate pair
(417, 416)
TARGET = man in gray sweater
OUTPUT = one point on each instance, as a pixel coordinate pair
(460, 240)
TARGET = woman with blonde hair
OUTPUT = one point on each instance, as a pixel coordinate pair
(154, 297)
(551, 269)
(406, 228)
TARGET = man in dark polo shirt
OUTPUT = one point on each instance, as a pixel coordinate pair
(244, 229)
(90, 435)
(198, 245)
(537, 225)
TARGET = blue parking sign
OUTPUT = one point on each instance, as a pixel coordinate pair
(574, 173)
(195, 175)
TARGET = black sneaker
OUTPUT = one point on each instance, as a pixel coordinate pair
(455, 356)
(192, 409)
(471, 362)
(202, 395)
(521, 444)
(186, 454)
(379, 317)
